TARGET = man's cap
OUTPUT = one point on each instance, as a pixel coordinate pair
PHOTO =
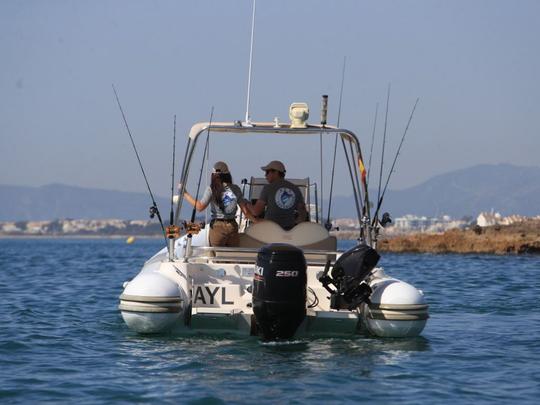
(221, 167)
(275, 165)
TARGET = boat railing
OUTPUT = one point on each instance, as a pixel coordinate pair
(219, 254)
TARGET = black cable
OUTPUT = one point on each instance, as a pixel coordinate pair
(315, 301)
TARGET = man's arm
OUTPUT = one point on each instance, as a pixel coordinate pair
(258, 208)
(301, 212)
(245, 207)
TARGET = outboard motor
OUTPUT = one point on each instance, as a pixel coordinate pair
(348, 275)
(279, 291)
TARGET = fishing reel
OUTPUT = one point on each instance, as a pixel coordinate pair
(172, 232)
(153, 210)
(193, 228)
(385, 220)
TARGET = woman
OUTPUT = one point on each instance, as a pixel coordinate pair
(224, 197)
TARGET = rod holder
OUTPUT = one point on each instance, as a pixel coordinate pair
(170, 243)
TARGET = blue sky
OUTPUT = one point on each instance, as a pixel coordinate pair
(474, 64)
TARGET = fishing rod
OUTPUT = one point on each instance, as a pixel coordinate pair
(367, 205)
(182, 187)
(335, 142)
(372, 141)
(173, 231)
(356, 191)
(171, 218)
(384, 143)
(202, 166)
(357, 180)
(379, 203)
(154, 211)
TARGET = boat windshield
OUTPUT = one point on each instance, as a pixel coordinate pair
(250, 147)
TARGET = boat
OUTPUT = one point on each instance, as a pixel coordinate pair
(277, 284)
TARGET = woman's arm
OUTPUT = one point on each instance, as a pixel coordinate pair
(199, 206)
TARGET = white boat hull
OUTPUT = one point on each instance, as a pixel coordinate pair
(195, 287)
(212, 297)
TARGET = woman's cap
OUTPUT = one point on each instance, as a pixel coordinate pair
(221, 167)
(275, 165)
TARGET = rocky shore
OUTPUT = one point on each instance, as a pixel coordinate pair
(517, 238)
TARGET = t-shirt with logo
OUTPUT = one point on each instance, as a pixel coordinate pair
(231, 197)
(281, 197)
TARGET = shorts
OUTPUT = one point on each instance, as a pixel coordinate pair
(224, 233)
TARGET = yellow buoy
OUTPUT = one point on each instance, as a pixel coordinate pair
(130, 240)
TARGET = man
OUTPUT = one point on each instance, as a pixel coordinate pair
(283, 200)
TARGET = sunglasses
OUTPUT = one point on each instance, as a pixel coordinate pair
(269, 171)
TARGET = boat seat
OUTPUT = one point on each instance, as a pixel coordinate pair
(306, 235)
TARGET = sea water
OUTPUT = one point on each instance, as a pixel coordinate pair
(62, 338)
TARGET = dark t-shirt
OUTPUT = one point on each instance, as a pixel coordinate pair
(281, 198)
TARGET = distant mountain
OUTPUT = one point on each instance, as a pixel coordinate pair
(505, 188)
(60, 201)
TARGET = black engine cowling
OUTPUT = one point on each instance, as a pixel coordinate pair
(348, 275)
(279, 291)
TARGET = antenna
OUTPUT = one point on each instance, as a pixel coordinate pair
(248, 118)
(341, 89)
